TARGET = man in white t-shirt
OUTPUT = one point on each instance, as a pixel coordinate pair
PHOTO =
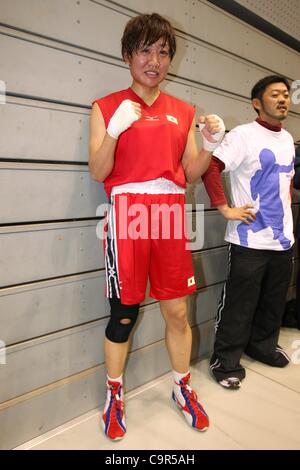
(259, 159)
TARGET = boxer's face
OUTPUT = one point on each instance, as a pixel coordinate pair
(275, 102)
(150, 64)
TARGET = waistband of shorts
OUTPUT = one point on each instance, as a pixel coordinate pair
(157, 186)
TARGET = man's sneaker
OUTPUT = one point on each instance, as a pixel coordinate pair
(113, 419)
(187, 401)
(232, 383)
(278, 358)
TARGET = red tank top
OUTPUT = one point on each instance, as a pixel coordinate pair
(153, 146)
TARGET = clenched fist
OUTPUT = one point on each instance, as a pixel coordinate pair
(125, 115)
(212, 129)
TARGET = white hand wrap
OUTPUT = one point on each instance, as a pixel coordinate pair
(216, 139)
(122, 118)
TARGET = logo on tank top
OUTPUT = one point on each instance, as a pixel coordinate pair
(151, 118)
(191, 281)
(172, 119)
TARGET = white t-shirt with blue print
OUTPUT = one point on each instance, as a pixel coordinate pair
(260, 163)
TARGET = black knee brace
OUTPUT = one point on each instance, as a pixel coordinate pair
(122, 320)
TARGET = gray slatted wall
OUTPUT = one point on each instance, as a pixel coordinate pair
(56, 57)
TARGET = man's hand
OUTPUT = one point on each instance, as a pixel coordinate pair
(244, 213)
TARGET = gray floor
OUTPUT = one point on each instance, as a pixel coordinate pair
(263, 414)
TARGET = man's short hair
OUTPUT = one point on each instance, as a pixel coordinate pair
(145, 30)
(260, 87)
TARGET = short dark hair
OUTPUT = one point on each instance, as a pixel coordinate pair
(260, 87)
(145, 30)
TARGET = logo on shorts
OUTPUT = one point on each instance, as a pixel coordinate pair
(191, 281)
(172, 119)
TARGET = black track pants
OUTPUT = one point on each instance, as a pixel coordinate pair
(250, 311)
(298, 289)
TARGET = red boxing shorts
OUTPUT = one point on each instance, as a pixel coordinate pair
(145, 237)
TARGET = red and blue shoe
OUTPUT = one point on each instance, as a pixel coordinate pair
(187, 401)
(113, 418)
